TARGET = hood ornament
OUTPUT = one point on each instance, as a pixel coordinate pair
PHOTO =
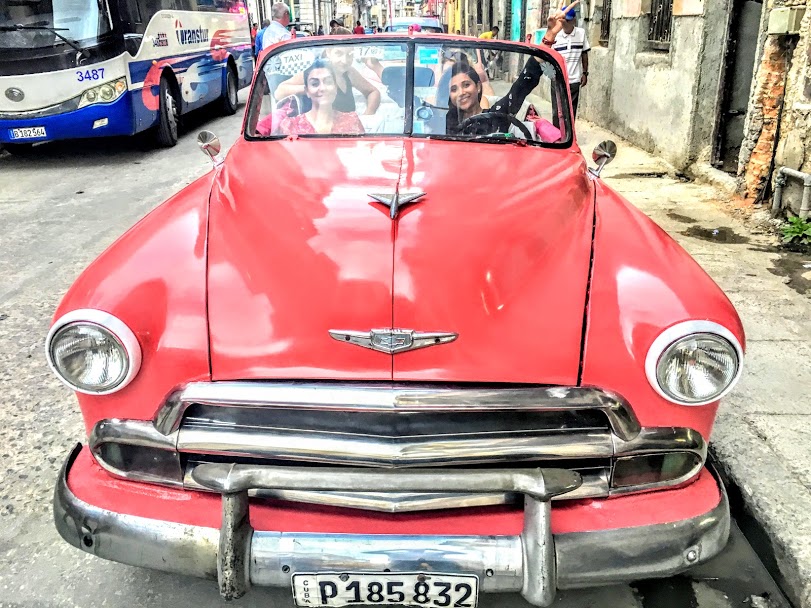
(392, 341)
(396, 200)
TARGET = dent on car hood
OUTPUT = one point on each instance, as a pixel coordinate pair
(497, 251)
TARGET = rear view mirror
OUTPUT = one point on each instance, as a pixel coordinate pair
(603, 153)
(210, 145)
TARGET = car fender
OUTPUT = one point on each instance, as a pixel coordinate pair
(642, 282)
(153, 278)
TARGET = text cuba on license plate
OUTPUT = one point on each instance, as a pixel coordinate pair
(28, 133)
(383, 589)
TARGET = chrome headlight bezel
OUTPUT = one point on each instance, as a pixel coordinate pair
(108, 323)
(681, 331)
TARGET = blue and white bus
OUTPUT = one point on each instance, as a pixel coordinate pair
(93, 68)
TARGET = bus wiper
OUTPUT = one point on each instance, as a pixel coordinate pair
(41, 26)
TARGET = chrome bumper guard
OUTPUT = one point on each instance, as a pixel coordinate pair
(533, 563)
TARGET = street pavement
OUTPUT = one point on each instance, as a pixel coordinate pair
(66, 203)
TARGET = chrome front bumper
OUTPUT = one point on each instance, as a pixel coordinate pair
(534, 563)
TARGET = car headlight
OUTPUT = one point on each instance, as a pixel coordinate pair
(93, 352)
(694, 363)
(104, 93)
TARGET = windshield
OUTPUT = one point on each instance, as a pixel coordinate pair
(29, 24)
(480, 92)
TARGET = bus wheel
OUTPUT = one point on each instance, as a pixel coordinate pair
(229, 95)
(167, 121)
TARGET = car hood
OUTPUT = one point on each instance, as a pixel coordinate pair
(496, 251)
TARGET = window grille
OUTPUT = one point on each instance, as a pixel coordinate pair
(661, 24)
(605, 22)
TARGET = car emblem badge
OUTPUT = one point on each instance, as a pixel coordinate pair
(15, 94)
(396, 200)
(392, 341)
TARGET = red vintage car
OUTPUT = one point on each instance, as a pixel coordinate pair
(401, 346)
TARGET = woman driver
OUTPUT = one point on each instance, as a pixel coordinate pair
(465, 91)
(323, 117)
(465, 94)
(346, 78)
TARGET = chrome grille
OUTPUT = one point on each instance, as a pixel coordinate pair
(390, 426)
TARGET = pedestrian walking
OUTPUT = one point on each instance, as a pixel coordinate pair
(277, 30)
(358, 28)
(257, 45)
(320, 31)
(573, 44)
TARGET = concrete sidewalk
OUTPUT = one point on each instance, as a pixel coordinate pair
(762, 438)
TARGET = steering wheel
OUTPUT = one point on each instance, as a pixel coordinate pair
(473, 125)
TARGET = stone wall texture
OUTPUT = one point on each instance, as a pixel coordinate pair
(756, 152)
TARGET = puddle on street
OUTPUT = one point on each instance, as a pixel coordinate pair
(684, 219)
(797, 268)
(716, 235)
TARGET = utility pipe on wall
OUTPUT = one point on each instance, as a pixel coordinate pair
(780, 182)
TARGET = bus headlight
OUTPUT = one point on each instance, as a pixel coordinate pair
(93, 352)
(104, 93)
(694, 363)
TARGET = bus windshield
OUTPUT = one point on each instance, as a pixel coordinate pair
(36, 24)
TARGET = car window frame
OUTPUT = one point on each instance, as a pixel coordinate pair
(411, 42)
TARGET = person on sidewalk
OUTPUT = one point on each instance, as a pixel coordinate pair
(358, 29)
(257, 45)
(491, 35)
(277, 30)
(573, 44)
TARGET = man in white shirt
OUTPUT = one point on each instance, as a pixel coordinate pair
(277, 30)
(573, 44)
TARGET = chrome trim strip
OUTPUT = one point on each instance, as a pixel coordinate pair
(396, 397)
(682, 330)
(595, 485)
(581, 559)
(540, 484)
(112, 324)
(394, 453)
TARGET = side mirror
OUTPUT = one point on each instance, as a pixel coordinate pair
(210, 145)
(603, 153)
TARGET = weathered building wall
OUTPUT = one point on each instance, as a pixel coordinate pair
(783, 74)
(662, 101)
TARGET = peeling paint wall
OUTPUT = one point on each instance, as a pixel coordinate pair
(658, 100)
(780, 53)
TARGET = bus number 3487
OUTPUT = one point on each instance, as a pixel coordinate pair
(96, 74)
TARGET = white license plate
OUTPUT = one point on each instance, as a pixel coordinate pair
(28, 133)
(386, 589)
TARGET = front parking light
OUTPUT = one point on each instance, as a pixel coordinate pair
(93, 352)
(694, 363)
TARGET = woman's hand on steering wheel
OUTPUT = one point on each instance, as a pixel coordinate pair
(489, 117)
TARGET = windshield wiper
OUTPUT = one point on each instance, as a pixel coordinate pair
(490, 139)
(17, 27)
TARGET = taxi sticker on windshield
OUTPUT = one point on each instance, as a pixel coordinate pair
(428, 56)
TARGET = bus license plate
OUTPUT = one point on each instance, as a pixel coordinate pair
(28, 133)
(385, 589)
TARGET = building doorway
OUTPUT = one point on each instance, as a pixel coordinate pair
(736, 82)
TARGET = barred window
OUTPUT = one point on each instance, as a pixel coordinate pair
(605, 23)
(661, 24)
